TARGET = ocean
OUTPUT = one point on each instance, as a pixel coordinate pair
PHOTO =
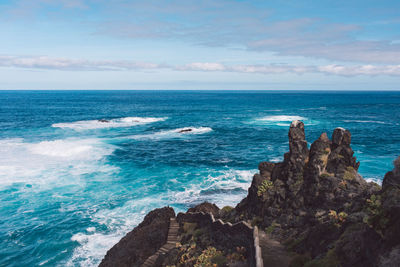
(71, 186)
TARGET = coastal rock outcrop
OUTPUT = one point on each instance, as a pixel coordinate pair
(142, 242)
(313, 203)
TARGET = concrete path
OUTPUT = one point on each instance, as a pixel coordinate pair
(273, 253)
(170, 244)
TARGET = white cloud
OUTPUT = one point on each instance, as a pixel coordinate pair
(360, 70)
(44, 62)
(65, 64)
(202, 67)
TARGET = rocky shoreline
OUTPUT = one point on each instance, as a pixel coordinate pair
(312, 209)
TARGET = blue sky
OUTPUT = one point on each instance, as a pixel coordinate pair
(188, 44)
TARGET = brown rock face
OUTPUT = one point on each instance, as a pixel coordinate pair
(323, 178)
(142, 242)
(340, 137)
(298, 151)
(205, 207)
(391, 204)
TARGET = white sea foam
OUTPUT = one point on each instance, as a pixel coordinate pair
(99, 124)
(93, 245)
(175, 133)
(51, 162)
(375, 180)
(282, 118)
(220, 187)
(276, 159)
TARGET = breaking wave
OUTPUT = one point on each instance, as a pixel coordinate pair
(104, 123)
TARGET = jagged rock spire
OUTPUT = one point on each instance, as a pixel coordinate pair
(341, 136)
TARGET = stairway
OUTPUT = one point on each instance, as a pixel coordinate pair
(170, 244)
(273, 253)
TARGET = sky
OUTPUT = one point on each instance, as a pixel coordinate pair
(205, 45)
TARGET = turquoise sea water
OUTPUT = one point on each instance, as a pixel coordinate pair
(71, 186)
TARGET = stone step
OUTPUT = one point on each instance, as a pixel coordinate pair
(172, 239)
(164, 250)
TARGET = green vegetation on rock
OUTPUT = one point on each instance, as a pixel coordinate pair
(350, 173)
(264, 186)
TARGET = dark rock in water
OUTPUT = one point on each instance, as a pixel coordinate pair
(205, 207)
(135, 247)
(103, 120)
(186, 130)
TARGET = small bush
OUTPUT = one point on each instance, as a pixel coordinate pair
(227, 209)
(337, 219)
(264, 186)
(206, 257)
(271, 228)
(376, 216)
(350, 173)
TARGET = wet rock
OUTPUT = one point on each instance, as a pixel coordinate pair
(143, 241)
(185, 130)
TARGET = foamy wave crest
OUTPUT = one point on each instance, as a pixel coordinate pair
(375, 180)
(219, 187)
(282, 120)
(103, 123)
(176, 133)
(47, 162)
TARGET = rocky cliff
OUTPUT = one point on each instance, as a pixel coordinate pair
(141, 242)
(314, 204)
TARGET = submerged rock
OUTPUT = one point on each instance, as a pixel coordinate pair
(185, 130)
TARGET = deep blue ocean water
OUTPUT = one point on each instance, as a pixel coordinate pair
(72, 186)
